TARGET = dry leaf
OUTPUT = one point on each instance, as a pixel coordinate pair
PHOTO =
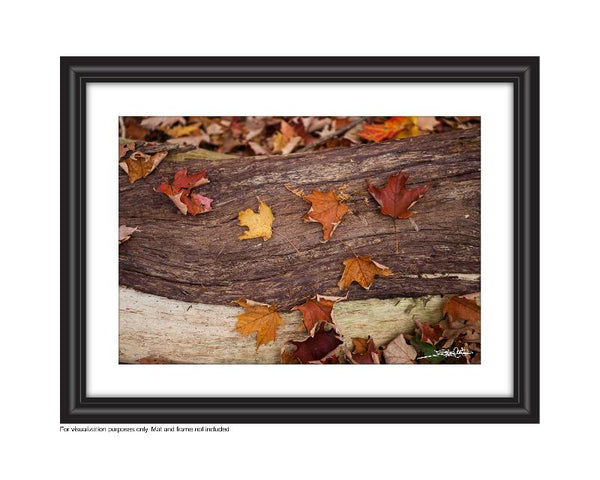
(427, 124)
(125, 233)
(394, 199)
(365, 352)
(399, 351)
(139, 165)
(363, 271)
(461, 308)
(395, 127)
(180, 192)
(184, 130)
(315, 310)
(326, 209)
(259, 317)
(430, 333)
(320, 348)
(259, 224)
(165, 122)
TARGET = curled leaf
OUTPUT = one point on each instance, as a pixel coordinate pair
(320, 348)
(140, 165)
(180, 192)
(399, 351)
(125, 233)
(363, 271)
(365, 351)
(315, 310)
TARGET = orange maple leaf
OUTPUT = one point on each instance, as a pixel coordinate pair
(363, 271)
(365, 351)
(180, 192)
(394, 199)
(326, 209)
(395, 127)
(260, 318)
(315, 310)
(460, 308)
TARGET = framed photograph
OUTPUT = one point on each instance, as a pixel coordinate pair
(300, 240)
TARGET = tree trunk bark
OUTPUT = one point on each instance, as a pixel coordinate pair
(200, 258)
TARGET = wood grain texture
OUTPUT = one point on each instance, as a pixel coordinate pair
(160, 330)
(200, 259)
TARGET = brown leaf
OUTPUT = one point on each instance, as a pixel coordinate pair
(427, 124)
(394, 199)
(139, 165)
(461, 308)
(125, 233)
(430, 333)
(259, 317)
(363, 271)
(315, 310)
(326, 209)
(320, 348)
(365, 351)
(165, 122)
(399, 351)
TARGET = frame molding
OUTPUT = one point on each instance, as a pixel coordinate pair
(521, 72)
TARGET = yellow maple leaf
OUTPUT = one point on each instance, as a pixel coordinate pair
(259, 224)
(260, 318)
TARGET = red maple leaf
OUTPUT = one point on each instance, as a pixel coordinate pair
(321, 348)
(180, 192)
(394, 199)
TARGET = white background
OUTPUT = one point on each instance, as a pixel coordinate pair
(35, 34)
(492, 102)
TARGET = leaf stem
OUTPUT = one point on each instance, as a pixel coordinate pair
(396, 235)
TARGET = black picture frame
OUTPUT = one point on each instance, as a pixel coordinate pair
(77, 407)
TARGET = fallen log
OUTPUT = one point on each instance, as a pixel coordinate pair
(200, 258)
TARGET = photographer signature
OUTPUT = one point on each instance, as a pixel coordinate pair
(444, 352)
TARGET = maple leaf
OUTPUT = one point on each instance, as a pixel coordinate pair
(180, 192)
(286, 140)
(394, 199)
(259, 224)
(399, 351)
(363, 271)
(139, 165)
(395, 127)
(125, 233)
(430, 333)
(327, 209)
(315, 310)
(365, 351)
(260, 318)
(320, 348)
(461, 308)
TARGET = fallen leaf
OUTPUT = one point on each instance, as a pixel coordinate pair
(399, 351)
(320, 348)
(395, 127)
(430, 333)
(326, 209)
(461, 308)
(180, 192)
(125, 233)
(285, 140)
(139, 165)
(315, 310)
(166, 122)
(363, 271)
(365, 352)
(394, 199)
(194, 140)
(125, 148)
(184, 130)
(427, 124)
(260, 318)
(257, 149)
(259, 224)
